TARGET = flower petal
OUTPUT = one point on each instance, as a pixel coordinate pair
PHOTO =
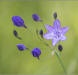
(56, 24)
(64, 30)
(54, 41)
(48, 36)
(49, 28)
(63, 38)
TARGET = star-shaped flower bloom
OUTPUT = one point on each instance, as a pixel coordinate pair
(55, 32)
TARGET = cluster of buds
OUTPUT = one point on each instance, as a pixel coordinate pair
(54, 33)
(19, 22)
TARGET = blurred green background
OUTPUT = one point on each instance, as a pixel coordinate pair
(13, 61)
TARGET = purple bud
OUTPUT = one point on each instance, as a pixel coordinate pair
(21, 47)
(36, 17)
(36, 52)
(18, 21)
(16, 35)
(60, 48)
(55, 15)
(41, 33)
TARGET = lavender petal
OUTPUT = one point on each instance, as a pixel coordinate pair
(48, 36)
(54, 41)
(56, 24)
(63, 38)
(49, 28)
(64, 30)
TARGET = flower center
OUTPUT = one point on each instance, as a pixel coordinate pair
(57, 34)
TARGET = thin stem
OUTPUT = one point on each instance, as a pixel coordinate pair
(55, 53)
(42, 40)
(52, 49)
(43, 25)
(61, 62)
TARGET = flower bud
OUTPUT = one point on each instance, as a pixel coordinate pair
(36, 17)
(21, 47)
(16, 34)
(36, 52)
(55, 15)
(41, 33)
(60, 48)
(18, 21)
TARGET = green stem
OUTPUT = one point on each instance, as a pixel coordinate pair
(55, 53)
(61, 62)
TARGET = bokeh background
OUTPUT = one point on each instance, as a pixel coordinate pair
(13, 61)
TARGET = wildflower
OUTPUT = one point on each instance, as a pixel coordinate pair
(55, 32)
(18, 21)
(36, 17)
(36, 52)
(16, 34)
(55, 15)
(21, 47)
(60, 48)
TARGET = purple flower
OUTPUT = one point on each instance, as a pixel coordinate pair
(18, 21)
(21, 47)
(36, 17)
(36, 52)
(55, 32)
